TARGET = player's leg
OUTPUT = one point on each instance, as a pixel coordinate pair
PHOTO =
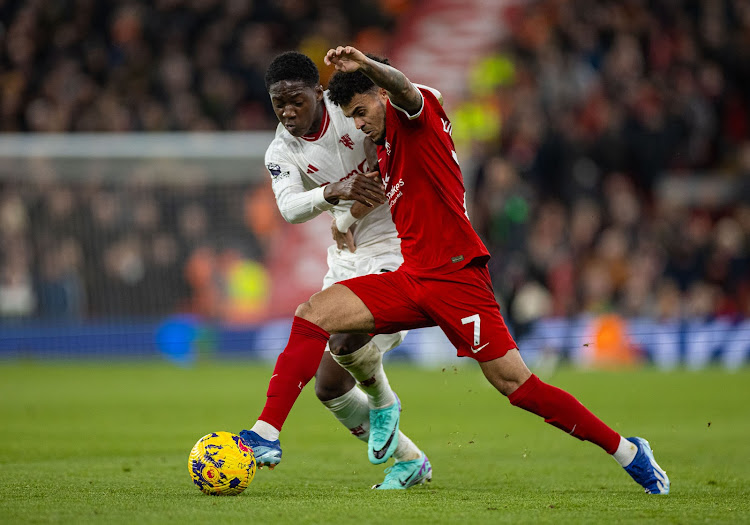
(331, 380)
(353, 356)
(360, 356)
(366, 365)
(472, 320)
(336, 389)
(335, 309)
(512, 378)
(411, 466)
(338, 309)
(387, 296)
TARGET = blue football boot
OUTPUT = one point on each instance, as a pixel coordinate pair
(267, 453)
(383, 432)
(404, 474)
(644, 469)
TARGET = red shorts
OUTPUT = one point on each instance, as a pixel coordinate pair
(462, 303)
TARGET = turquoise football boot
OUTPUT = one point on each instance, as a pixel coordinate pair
(405, 474)
(383, 432)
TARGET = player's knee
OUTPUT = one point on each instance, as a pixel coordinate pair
(506, 387)
(302, 310)
(314, 310)
(327, 390)
(306, 311)
(506, 373)
(342, 345)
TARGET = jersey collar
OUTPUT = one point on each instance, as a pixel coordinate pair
(323, 127)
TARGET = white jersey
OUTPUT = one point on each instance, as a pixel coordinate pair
(301, 167)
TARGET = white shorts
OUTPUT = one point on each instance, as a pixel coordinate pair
(343, 265)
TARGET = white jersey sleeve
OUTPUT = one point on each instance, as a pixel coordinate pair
(298, 198)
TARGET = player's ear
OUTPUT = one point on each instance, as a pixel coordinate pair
(318, 92)
(382, 93)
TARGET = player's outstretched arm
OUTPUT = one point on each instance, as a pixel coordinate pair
(401, 91)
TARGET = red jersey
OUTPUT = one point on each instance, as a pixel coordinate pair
(425, 190)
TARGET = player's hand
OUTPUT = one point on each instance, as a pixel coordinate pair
(361, 187)
(343, 240)
(346, 59)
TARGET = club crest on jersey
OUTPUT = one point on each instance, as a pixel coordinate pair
(347, 141)
(388, 147)
(276, 171)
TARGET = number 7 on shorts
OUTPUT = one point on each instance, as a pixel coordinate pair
(477, 327)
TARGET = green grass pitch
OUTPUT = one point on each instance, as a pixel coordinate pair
(108, 443)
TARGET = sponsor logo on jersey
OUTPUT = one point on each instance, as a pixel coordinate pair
(276, 172)
(347, 141)
(394, 193)
(311, 169)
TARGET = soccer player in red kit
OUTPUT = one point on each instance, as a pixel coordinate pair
(444, 279)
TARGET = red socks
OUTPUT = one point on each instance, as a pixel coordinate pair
(560, 409)
(295, 366)
(300, 359)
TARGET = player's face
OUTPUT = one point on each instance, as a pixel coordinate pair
(368, 112)
(297, 106)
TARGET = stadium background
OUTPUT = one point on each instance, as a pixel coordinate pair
(605, 146)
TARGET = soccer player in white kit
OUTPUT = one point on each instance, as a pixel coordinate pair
(318, 162)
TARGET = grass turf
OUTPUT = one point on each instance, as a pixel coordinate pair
(94, 443)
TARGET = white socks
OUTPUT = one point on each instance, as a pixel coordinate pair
(265, 430)
(353, 411)
(625, 452)
(366, 366)
(406, 450)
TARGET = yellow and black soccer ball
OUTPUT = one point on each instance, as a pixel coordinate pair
(221, 464)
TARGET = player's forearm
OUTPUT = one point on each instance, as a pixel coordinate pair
(400, 89)
(301, 207)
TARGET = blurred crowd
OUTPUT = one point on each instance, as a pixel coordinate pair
(94, 249)
(137, 65)
(101, 249)
(584, 126)
(601, 113)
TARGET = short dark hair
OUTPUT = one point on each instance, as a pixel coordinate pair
(292, 65)
(343, 86)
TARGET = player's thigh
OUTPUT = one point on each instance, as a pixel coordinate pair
(337, 310)
(390, 299)
(464, 306)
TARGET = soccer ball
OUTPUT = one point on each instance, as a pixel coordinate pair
(221, 464)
